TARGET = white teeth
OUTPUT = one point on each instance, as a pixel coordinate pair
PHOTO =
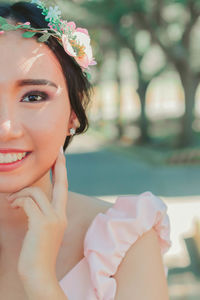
(19, 156)
(11, 157)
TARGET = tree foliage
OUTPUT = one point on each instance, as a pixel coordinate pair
(172, 25)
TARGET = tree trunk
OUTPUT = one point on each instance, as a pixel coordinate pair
(144, 137)
(190, 84)
(119, 124)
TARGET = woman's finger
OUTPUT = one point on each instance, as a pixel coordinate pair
(38, 196)
(30, 207)
(60, 185)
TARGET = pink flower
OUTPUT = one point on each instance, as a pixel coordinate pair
(72, 25)
(67, 26)
(67, 46)
(80, 47)
(83, 30)
(84, 40)
(1, 32)
(50, 26)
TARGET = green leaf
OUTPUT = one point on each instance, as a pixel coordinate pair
(3, 21)
(44, 37)
(23, 26)
(8, 27)
(88, 75)
(28, 34)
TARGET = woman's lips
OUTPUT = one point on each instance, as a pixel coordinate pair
(6, 150)
(4, 167)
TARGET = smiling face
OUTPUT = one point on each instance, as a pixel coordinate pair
(26, 122)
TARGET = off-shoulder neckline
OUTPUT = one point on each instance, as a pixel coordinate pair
(158, 214)
(104, 213)
(67, 274)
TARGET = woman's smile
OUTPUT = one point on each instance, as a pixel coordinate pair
(11, 161)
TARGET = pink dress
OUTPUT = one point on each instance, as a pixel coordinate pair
(107, 240)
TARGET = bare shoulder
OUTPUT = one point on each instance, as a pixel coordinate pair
(81, 211)
(142, 267)
(85, 207)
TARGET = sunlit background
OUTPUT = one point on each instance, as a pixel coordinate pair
(145, 117)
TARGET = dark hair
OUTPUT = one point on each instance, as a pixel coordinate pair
(76, 80)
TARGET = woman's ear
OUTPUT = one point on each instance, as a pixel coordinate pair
(73, 121)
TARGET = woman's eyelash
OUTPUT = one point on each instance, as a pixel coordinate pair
(34, 94)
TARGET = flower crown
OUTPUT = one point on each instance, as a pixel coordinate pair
(75, 41)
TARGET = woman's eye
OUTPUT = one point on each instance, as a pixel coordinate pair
(35, 97)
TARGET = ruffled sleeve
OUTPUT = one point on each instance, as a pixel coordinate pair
(111, 234)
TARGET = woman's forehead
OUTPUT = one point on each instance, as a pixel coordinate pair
(26, 57)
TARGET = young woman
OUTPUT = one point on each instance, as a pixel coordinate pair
(56, 244)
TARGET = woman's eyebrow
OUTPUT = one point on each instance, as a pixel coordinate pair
(23, 82)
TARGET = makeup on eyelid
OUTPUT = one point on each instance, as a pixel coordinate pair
(44, 95)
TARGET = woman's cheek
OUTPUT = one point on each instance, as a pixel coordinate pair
(47, 123)
(49, 137)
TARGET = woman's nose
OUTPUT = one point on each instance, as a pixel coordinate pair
(10, 127)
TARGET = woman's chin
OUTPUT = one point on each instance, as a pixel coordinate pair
(10, 190)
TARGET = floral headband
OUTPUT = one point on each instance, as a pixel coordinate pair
(75, 41)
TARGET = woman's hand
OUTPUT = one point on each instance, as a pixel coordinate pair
(46, 225)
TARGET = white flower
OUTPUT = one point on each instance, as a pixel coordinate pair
(79, 47)
(53, 13)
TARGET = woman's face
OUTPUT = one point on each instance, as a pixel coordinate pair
(27, 123)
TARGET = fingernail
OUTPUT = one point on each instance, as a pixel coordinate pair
(61, 149)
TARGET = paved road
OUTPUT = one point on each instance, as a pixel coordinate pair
(95, 170)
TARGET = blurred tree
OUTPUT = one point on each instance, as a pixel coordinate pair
(171, 25)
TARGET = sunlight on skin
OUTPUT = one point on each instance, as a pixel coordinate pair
(37, 127)
(26, 64)
(6, 125)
